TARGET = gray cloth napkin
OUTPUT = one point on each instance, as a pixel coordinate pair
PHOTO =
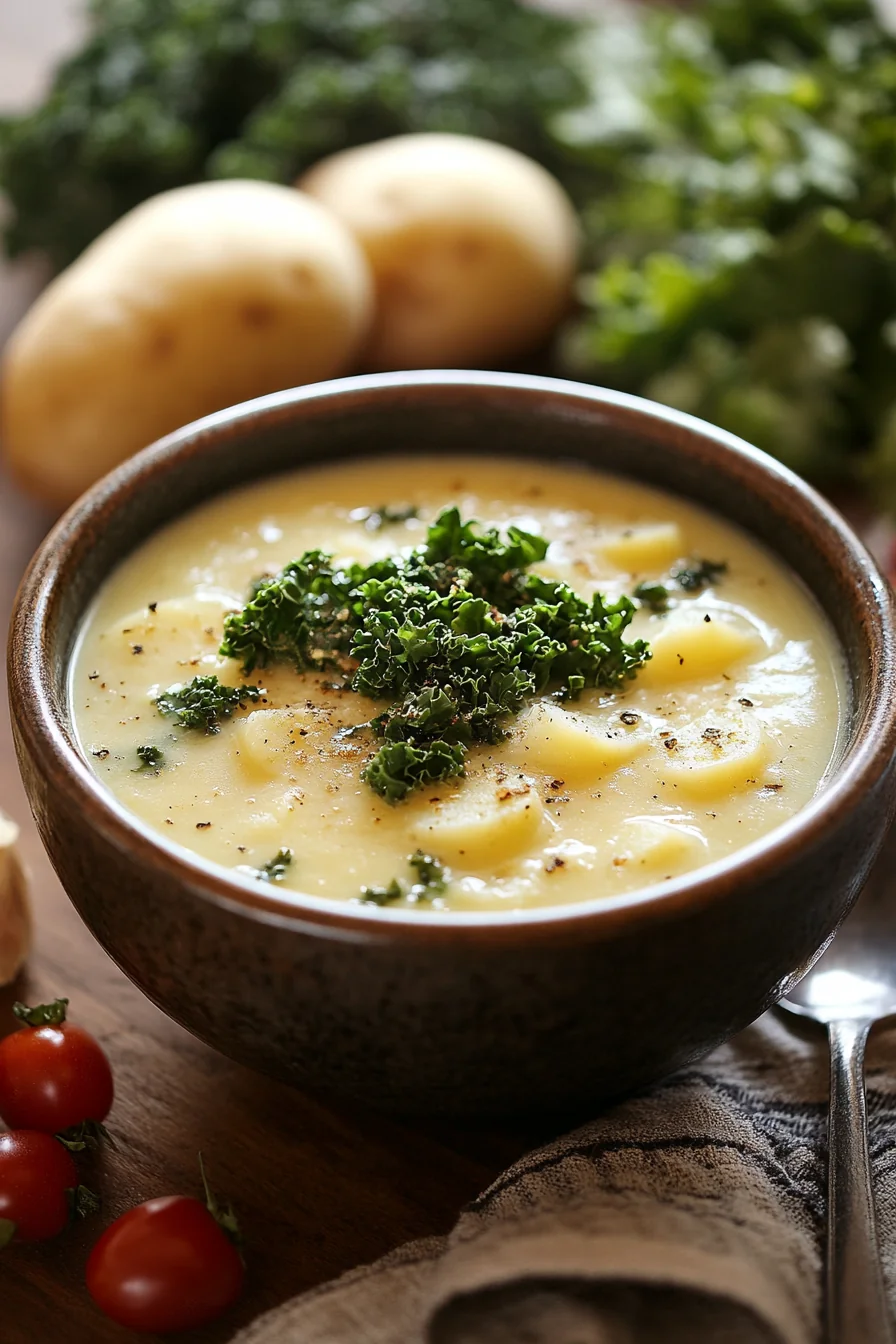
(692, 1213)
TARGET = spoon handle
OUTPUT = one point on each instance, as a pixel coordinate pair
(856, 1300)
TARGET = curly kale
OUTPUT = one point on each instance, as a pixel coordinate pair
(733, 164)
(454, 637)
(203, 702)
(400, 767)
(741, 254)
(166, 92)
(301, 615)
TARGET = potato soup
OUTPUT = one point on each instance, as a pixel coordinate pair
(438, 712)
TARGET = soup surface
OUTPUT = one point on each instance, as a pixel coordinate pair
(724, 733)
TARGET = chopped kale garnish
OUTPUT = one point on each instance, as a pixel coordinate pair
(432, 879)
(692, 579)
(386, 515)
(432, 875)
(150, 758)
(382, 895)
(454, 637)
(275, 869)
(399, 767)
(654, 596)
(699, 575)
(301, 615)
(203, 702)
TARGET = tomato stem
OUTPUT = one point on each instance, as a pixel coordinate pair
(7, 1231)
(225, 1218)
(42, 1014)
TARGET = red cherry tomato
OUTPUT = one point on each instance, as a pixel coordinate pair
(165, 1265)
(53, 1077)
(36, 1175)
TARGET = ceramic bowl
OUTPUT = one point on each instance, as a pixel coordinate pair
(458, 1013)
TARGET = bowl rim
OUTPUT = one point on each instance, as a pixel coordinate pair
(30, 671)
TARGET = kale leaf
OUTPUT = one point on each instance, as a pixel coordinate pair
(387, 515)
(150, 758)
(454, 637)
(693, 578)
(432, 875)
(166, 92)
(382, 895)
(203, 702)
(699, 575)
(276, 868)
(741, 261)
(400, 767)
(654, 596)
(432, 880)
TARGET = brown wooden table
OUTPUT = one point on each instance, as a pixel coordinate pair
(318, 1189)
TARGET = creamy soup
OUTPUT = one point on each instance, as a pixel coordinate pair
(720, 736)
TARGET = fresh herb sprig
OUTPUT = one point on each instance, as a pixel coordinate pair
(454, 637)
(203, 702)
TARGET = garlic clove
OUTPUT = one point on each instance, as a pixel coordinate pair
(15, 909)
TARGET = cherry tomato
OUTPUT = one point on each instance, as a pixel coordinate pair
(165, 1265)
(52, 1076)
(36, 1176)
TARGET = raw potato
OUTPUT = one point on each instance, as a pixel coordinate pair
(198, 298)
(15, 912)
(486, 822)
(473, 246)
(575, 748)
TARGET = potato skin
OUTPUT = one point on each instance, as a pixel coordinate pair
(473, 246)
(199, 298)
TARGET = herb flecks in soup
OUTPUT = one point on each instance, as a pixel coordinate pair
(593, 688)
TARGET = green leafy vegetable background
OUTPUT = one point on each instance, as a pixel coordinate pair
(734, 165)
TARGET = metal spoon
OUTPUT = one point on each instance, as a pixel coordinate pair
(850, 987)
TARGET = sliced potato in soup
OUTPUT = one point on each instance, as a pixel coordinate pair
(456, 684)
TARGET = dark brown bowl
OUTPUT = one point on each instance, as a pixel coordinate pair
(457, 1013)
